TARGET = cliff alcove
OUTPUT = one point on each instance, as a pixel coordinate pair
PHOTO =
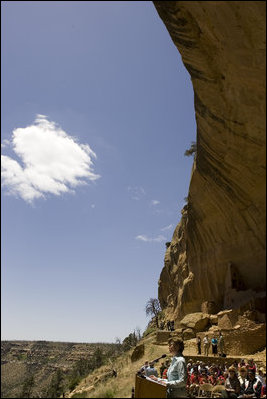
(217, 253)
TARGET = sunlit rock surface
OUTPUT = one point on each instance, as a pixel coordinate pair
(217, 253)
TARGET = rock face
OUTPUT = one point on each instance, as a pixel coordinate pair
(188, 333)
(217, 253)
(241, 340)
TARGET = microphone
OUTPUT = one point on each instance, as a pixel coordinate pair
(156, 360)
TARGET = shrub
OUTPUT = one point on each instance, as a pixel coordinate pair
(192, 150)
(27, 387)
(74, 382)
(55, 388)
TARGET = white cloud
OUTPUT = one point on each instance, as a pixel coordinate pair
(144, 238)
(52, 162)
(136, 192)
(155, 202)
(5, 143)
(169, 227)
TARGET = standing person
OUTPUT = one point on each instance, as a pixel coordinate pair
(221, 344)
(206, 345)
(177, 372)
(214, 343)
(198, 342)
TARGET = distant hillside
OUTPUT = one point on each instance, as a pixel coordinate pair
(42, 359)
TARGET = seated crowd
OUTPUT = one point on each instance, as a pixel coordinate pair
(240, 380)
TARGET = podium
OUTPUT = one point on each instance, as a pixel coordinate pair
(145, 388)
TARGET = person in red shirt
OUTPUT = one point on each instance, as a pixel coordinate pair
(203, 379)
(194, 383)
(164, 374)
(188, 382)
(213, 377)
(194, 379)
(220, 380)
(252, 366)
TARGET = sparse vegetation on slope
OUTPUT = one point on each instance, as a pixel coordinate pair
(56, 366)
(101, 384)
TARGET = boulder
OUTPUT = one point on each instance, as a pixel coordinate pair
(138, 352)
(213, 319)
(162, 336)
(227, 319)
(213, 329)
(177, 332)
(197, 321)
(188, 333)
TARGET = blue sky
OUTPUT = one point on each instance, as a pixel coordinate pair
(97, 112)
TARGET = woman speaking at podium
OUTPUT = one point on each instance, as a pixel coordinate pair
(177, 372)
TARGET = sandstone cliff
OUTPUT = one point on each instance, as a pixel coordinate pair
(216, 259)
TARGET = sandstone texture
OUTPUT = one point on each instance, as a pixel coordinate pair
(216, 259)
(162, 336)
(188, 333)
(241, 341)
(196, 321)
(214, 319)
(227, 319)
